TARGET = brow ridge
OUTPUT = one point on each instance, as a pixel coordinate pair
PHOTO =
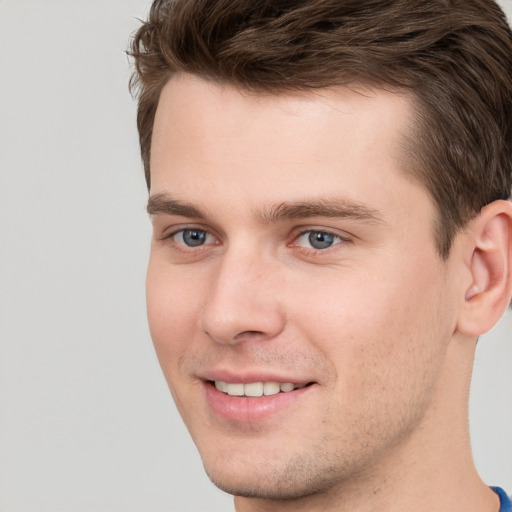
(164, 204)
(334, 208)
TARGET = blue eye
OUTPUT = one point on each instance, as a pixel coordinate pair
(318, 240)
(192, 237)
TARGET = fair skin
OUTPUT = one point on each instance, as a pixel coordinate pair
(291, 246)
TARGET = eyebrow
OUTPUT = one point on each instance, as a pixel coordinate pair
(333, 208)
(336, 208)
(164, 204)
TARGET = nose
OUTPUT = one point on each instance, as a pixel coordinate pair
(243, 302)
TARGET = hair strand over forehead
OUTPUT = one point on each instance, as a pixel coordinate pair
(455, 56)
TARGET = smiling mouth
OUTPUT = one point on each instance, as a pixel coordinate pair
(256, 389)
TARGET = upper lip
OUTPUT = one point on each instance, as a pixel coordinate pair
(248, 377)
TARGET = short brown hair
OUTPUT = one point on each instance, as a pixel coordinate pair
(455, 56)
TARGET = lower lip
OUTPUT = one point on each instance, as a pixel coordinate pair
(246, 409)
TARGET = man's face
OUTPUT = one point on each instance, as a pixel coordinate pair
(292, 251)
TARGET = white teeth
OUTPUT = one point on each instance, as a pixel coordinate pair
(271, 388)
(235, 389)
(255, 389)
(221, 386)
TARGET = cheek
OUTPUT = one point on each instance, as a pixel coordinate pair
(381, 330)
(173, 305)
(173, 308)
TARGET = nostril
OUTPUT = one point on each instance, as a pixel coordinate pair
(237, 319)
(247, 335)
(250, 333)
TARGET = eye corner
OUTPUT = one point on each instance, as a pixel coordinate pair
(186, 238)
(317, 239)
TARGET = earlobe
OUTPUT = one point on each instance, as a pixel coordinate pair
(489, 246)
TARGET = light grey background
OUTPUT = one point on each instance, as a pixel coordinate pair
(86, 421)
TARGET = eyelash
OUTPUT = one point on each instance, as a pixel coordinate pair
(181, 246)
(310, 251)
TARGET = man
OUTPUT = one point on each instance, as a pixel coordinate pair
(330, 194)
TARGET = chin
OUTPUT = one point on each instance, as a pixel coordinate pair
(275, 479)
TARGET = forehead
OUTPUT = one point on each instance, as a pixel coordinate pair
(246, 146)
(210, 110)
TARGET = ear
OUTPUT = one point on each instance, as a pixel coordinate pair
(489, 261)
